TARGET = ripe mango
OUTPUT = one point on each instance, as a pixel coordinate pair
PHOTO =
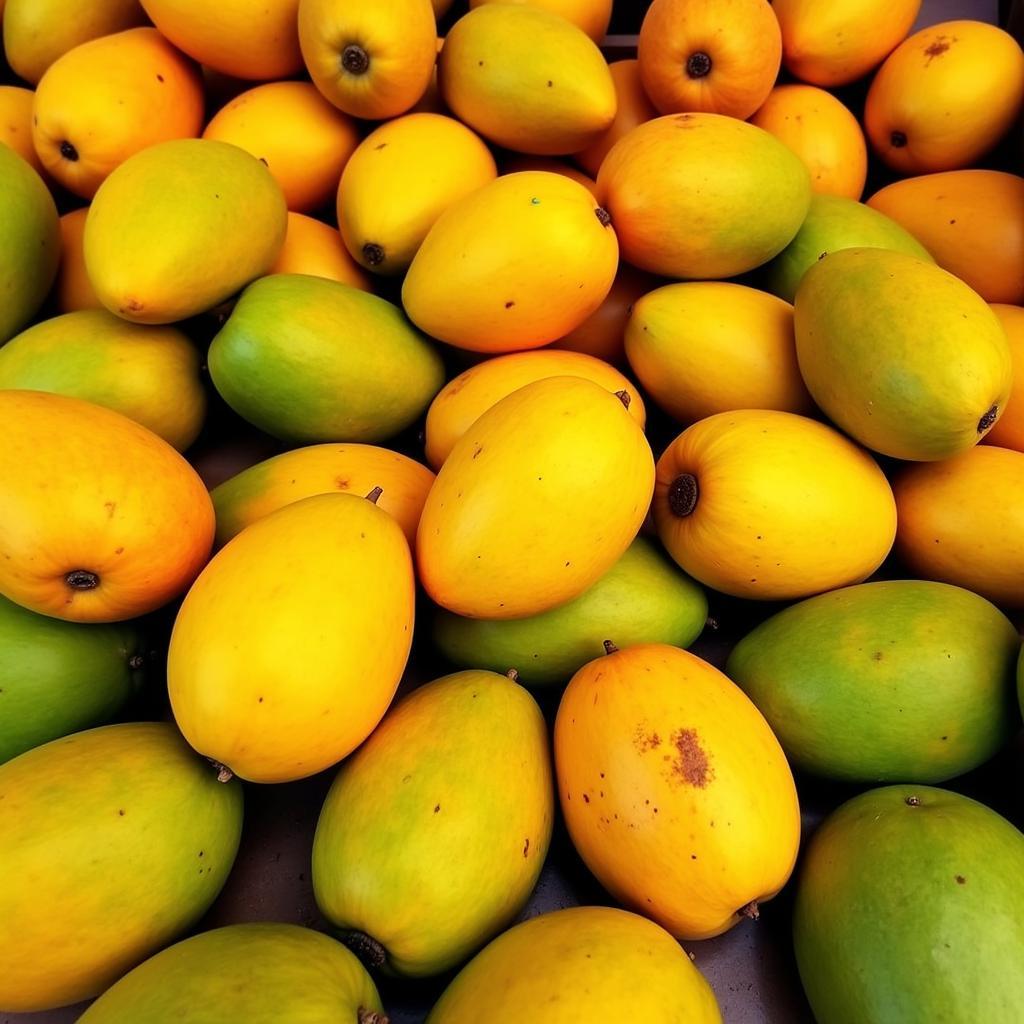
(1009, 429)
(590, 15)
(315, 248)
(16, 121)
(73, 290)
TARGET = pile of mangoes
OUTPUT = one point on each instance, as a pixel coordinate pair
(327, 352)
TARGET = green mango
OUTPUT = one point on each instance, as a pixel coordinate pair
(115, 841)
(57, 677)
(434, 832)
(892, 681)
(29, 242)
(910, 910)
(308, 360)
(251, 973)
(834, 223)
(642, 599)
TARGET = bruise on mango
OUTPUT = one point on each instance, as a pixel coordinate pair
(691, 763)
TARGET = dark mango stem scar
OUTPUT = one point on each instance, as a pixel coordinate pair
(698, 64)
(355, 60)
(988, 419)
(224, 773)
(373, 254)
(623, 397)
(369, 951)
(683, 493)
(513, 674)
(372, 1017)
(898, 139)
(68, 151)
(610, 648)
(913, 801)
(82, 579)
(603, 216)
(751, 911)
(374, 495)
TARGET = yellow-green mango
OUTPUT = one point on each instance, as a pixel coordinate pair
(307, 359)
(251, 973)
(149, 374)
(115, 841)
(901, 354)
(181, 226)
(29, 242)
(433, 834)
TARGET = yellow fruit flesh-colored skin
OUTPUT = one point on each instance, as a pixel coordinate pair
(1009, 429)
(521, 162)
(537, 500)
(590, 15)
(16, 123)
(433, 835)
(538, 234)
(526, 79)
(314, 248)
(323, 469)
(787, 507)
(289, 647)
(710, 346)
(617, 967)
(400, 179)
(463, 400)
(73, 289)
(675, 791)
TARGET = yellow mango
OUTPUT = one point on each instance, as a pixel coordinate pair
(289, 647)
(590, 15)
(73, 289)
(1009, 429)
(314, 248)
(514, 265)
(537, 500)
(16, 123)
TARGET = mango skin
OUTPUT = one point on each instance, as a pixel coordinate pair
(910, 909)
(579, 964)
(57, 677)
(643, 598)
(310, 360)
(433, 835)
(124, 829)
(257, 973)
(896, 680)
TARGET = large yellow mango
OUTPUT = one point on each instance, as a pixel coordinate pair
(537, 500)
(590, 15)
(290, 645)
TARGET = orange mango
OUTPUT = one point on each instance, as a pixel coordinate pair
(315, 248)
(1008, 431)
(16, 123)
(590, 15)
(73, 288)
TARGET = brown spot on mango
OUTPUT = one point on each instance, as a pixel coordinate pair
(691, 764)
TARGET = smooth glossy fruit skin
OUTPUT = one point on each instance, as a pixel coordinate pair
(962, 522)
(747, 190)
(253, 39)
(590, 15)
(971, 221)
(833, 223)
(57, 677)
(772, 506)
(149, 374)
(323, 469)
(945, 97)
(643, 598)
(258, 973)
(896, 680)
(100, 519)
(462, 401)
(372, 61)
(315, 248)
(29, 242)
(124, 829)
(711, 346)
(304, 141)
(579, 964)
(1009, 429)
(16, 122)
(909, 909)
(841, 41)
(675, 792)
(900, 354)
(233, 232)
(290, 645)
(822, 132)
(73, 290)
(515, 162)
(526, 79)
(536, 502)
(501, 270)
(718, 56)
(309, 360)
(433, 835)
(402, 177)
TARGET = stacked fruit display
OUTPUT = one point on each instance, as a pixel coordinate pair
(590, 346)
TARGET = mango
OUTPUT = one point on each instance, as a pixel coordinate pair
(587, 963)
(149, 374)
(514, 265)
(29, 242)
(748, 192)
(315, 248)
(124, 829)
(643, 598)
(289, 647)
(675, 792)
(900, 354)
(259, 973)
(73, 290)
(557, 469)
(1008, 431)
(897, 680)
(909, 908)
(526, 79)
(218, 218)
(432, 836)
(58, 677)
(515, 162)
(590, 15)
(307, 359)
(16, 121)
